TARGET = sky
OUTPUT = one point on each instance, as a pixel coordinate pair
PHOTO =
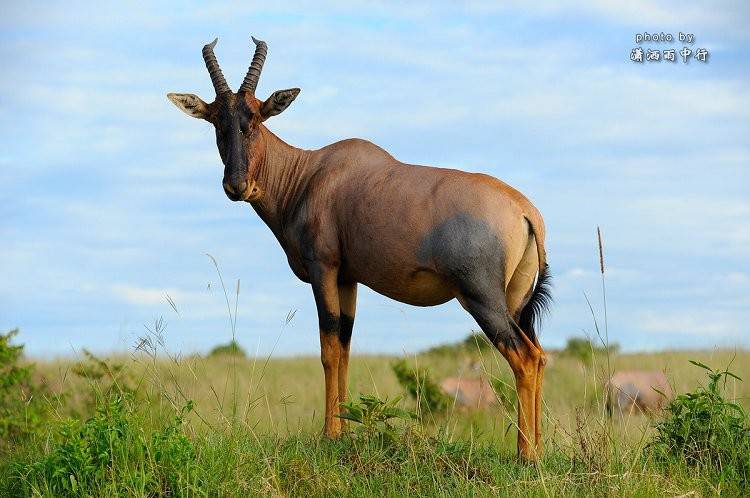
(111, 198)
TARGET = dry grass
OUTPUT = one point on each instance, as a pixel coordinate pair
(256, 428)
(285, 395)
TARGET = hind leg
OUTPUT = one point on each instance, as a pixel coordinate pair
(523, 357)
(518, 292)
(538, 399)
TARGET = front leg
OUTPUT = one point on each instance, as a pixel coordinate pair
(323, 280)
(348, 307)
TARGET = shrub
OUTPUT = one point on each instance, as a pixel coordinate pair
(418, 384)
(703, 429)
(22, 410)
(477, 341)
(230, 348)
(95, 368)
(374, 416)
(107, 378)
(473, 343)
(583, 349)
(112, 450)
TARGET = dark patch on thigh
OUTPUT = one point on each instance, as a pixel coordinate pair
(346, 325)
(466, 251)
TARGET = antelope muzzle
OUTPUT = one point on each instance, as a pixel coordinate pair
(241, 191)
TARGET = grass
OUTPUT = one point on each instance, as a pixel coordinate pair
(150, 424)
(263, 437)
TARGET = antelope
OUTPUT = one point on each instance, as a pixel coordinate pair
(350, 213)
(469, 393)
(643, 391)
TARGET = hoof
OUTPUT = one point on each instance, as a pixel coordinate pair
(332, 432)
(528, 457)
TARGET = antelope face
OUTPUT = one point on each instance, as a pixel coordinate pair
(237, 138)
(236, 118)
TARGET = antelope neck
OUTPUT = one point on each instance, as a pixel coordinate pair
(283, 174)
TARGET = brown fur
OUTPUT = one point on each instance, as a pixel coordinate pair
(632, 391)
(351, 213)
(469, 393)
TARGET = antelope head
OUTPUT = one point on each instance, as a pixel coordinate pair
(237, 118)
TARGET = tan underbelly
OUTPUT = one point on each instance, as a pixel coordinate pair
(420, 288)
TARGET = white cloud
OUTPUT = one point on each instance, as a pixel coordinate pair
(577, 273)
(720, 223)
(709, 326)
(611, 273)
(738, 278)
(107, 183)
(727, 16)
(150, 296)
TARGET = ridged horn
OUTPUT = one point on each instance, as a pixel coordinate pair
(217, 77)
(250, 83)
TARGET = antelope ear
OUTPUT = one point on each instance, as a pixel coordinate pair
(190, 104)
(278, 102)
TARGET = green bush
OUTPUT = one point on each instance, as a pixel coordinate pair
(230, 348)
(473, 343)
(477, 341)
(374, 416)
(705, 430)
(22, 409)
(112, 451)
(583, 349)
(107, 378)
(418, 384)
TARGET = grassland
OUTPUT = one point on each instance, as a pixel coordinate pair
(252, 428)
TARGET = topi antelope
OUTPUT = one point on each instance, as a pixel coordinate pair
(469, 393)
(350, 213)
(642, 391)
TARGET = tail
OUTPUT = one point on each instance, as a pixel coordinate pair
(541, 297)
(538, 305)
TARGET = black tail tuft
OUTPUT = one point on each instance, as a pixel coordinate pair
(538, 305)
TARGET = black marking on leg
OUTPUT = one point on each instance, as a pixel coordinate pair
(504, 338)
(328, 320)
(329, 323)
(346, 326)
(493, 318)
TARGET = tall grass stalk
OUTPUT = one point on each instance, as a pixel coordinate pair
(604, 300)
(233, 326)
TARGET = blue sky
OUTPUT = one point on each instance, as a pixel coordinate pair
(111, 197)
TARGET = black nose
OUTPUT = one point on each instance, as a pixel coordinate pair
(235, 189)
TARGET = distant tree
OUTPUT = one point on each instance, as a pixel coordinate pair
(230, 348)
(477, 340)
(582, 348)
(474, 342)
